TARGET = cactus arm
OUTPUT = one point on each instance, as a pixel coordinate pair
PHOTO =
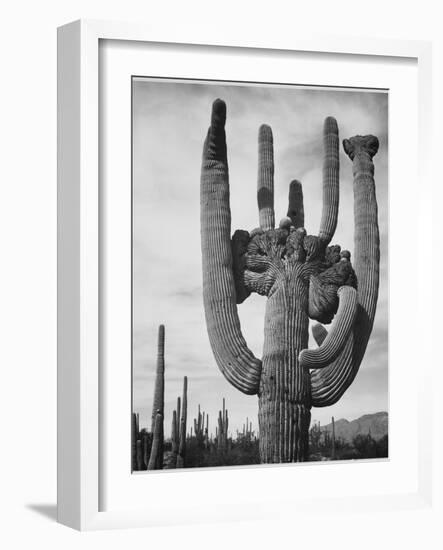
(237, 363)
(323, 287)
(341, 330)
(361, 150)
(260, 283)
(156, 458)
(330, 383)
(295, 208)
(331, 165)
(265, 180)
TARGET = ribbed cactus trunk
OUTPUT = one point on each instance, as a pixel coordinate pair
(284, 398)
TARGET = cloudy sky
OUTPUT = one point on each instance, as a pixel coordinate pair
(170, 120)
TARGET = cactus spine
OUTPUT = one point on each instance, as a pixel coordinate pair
(302, 276)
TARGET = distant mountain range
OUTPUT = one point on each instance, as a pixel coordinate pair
(376, 424)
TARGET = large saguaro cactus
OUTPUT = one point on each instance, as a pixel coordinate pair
(302, 276)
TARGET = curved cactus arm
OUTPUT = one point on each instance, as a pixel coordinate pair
(235, 360)
(361, 150)
(330, 383)
(265, 180)
(335, 341)
(331, 194)
(295, 207)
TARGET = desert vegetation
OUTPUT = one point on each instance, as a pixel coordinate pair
(197, 445)
(325, 445)
(190, 448)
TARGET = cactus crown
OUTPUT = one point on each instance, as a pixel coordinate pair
(361, 144)
(268, 256)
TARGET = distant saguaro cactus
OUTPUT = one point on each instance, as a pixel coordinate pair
(222, 432)
(199, 427)
(174, 439)
(302, 276)
(184, 413)
(158, 407)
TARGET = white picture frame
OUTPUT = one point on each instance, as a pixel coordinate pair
(80, 411)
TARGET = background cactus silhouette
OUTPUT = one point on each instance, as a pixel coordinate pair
(303, 278)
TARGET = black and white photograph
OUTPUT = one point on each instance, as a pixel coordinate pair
(259, 274)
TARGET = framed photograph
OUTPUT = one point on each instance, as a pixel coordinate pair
(232, 279)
